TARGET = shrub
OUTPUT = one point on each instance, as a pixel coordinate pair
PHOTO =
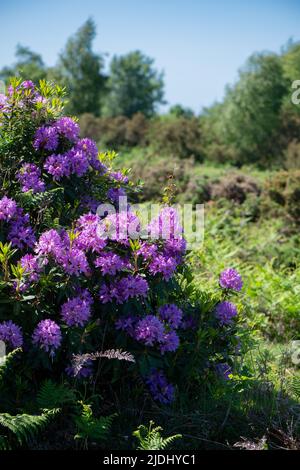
(235, 187)
(115, 132)
(283, 189)
(74, 297)
(179, 137)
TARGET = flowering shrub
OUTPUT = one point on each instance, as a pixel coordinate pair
(73, 282)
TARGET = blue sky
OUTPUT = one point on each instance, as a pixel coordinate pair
(199, 44)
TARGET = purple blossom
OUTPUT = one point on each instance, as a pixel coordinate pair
(77, 311)
(58, 166)
(169, 342)
(47, 336)
(88, 235)
(31, 265)
(45, 138)
(20, 233)
(225, 311)
(111, 263)
(231, 279)
(114, 194)
(166, 226)
(171, 314)
(79, 163)
(27, 84)
(89, 148)
(149, 330)
(122, 290)
(119, 177)
(166, 266)
(8, 208)
(159, 387)
(73, 261)
(147, 251)
(30, 178)
(11, 334)
(67, 128)
(120, 227)
(49, 243)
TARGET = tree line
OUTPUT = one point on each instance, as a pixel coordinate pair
(256, 122)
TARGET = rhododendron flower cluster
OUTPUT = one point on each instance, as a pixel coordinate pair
(89, 279)
(47, 336)
(77, 311)
(230, 279)
(11, 334)
(30, 178)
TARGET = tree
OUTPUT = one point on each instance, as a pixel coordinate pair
(249, 120)
(80, 70)
(29, 65)
(133, 86)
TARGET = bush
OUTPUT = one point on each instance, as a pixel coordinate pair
(283, 189)
(115, 132)
(179, 137)
(235, 187)
(73, 297)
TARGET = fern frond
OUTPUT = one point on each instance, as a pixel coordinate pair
(25, 427)
(6, 363)
(295, 386)
(92, 428)
(52, 395)
(150, 438)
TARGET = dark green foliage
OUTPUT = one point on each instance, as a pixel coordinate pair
(80, 70)
(54, 395)
(23, 428)
(91, 428)
(133, 86)
(150, 438)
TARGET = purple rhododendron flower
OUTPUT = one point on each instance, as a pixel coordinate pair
(49, 243)
(166, 266)
(171, 314)
(231, 279)
(159, 387)
(32, 267)
(8, 208)
(47, 336)
(77, 311)
(169, 342)
(46, 138)
(225, 311)
(111, 263)
(149, 330)
(58, 166)
(147, 251)
(120, 227)
(30, 178)
(20, 233)
(88, 235)
(166, 225)
(114, 194)
(68, 128)
(11, 334)
(122, 290)
(119, 177)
